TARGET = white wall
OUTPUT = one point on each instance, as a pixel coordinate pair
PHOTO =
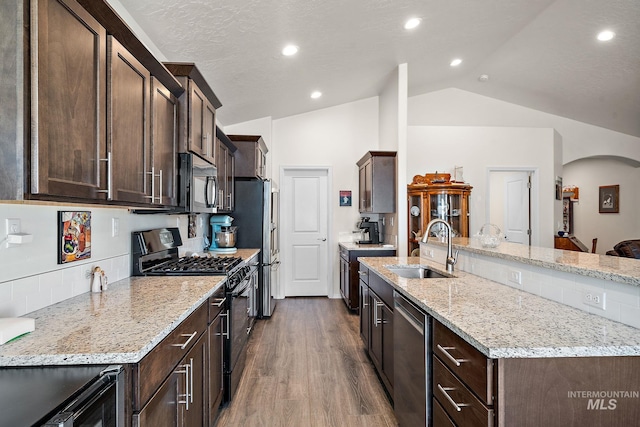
(30, 276)
(456, 107)
(336, 137)
(609, 228)
(440, 148)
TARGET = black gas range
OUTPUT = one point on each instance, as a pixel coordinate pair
(155, 253)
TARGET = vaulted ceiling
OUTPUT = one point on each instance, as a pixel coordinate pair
(542, 54)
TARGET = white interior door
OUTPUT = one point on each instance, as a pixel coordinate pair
(510, 199)
(304, 229)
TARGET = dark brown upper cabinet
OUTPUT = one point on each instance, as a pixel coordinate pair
(129, 85)
(79, 130)
(377, 182)
(198, 108)
(68, 141)
(225, 163)
(251, 157)
(164, 145)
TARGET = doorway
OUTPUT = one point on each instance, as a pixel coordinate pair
(510, 203)
(304, 229)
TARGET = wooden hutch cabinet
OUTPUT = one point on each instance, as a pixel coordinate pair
(434, 196)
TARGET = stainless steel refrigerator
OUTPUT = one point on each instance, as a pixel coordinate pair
(256, 216)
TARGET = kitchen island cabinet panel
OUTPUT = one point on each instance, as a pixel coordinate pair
(68, 106)
(581, 391)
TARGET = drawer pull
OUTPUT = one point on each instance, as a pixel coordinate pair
(449, 356)
(186, 343)
(362, 273)
(219, 302)
(444, 390)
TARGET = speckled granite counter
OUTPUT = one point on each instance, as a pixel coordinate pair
(617, 269)
(120, 325)
(503, 322)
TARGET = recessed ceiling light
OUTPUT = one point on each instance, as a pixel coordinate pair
(605, 36)
(456, 62)
(412, 23)
(316, 94)
(290, 50)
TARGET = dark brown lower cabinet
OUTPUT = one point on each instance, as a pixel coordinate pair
(349, 267)
(376, 324)
(170, 383)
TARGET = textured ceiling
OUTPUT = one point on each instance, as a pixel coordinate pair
(538, 53)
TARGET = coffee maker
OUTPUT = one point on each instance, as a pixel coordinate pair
(223, 235)
(370, 231)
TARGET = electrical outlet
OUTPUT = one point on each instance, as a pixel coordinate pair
(13, 225)
(515, 276)
(595, 299)
(429, 253)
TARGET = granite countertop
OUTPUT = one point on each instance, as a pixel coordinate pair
(353, 246)
(617, 269)
(504, 322)
(120, 325)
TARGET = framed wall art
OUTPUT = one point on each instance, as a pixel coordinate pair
(609, 200)
(345, 197)
(74, 236)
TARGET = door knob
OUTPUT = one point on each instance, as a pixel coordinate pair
(324, 239)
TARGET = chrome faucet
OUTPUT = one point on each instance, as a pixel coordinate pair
(451, 257)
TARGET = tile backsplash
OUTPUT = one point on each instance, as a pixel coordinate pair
(31, 278)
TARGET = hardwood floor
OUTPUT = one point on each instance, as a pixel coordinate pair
(306, 366)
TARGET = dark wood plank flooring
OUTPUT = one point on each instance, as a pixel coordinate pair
(306, 366)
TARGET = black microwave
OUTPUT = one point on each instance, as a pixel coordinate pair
(198, 184)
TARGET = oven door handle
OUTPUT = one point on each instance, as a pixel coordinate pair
(239, 290)
(108, 379)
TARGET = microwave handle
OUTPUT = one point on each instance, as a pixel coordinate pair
(211, 180)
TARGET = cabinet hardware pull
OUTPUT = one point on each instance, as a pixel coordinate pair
(449, 356)
(153, 185)
(376, 320)
(226, 334)
(186, 343)
(108, 190)
(160, 192)
(444, 390)
(190, 390)
(219, 302)
(184, 371)
(362, 273)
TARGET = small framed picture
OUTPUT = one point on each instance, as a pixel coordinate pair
(74, 236)
(345, 197)
(609, 199)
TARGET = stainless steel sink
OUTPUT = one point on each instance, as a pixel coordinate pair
(417, 272)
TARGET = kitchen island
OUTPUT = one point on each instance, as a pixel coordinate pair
(538, 361)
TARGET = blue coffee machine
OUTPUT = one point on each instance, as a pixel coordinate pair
(223, 235)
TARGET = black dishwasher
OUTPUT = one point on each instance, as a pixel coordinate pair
(412, 370)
